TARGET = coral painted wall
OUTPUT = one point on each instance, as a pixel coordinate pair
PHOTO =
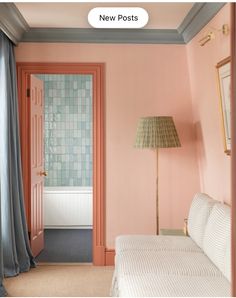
(141, 80)
(214, 164)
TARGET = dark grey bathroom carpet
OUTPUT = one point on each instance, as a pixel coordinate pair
(66, 245)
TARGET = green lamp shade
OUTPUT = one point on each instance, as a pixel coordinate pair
(156, 132)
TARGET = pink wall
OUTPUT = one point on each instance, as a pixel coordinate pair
(141, 80)
(214, 164)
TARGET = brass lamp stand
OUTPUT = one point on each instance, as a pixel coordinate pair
(153, 133)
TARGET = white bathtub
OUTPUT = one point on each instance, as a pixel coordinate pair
(68, 207)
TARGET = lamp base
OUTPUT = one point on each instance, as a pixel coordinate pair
(157, 199)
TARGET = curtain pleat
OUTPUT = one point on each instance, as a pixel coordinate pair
(2, 289)
(16, 252)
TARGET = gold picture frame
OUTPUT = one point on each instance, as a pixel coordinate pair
(223, 75)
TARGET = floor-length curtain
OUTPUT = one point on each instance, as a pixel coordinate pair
(16, 253)
(2, 290)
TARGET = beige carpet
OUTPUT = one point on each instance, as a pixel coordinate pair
(61, 280)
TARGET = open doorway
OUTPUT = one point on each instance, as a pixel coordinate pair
(79, 74)
(67, 199)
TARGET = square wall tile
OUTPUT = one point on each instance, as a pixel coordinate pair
(68, 129)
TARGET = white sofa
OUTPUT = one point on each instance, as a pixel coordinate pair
(162, 266)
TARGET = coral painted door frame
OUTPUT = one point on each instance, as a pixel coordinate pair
(24, 70)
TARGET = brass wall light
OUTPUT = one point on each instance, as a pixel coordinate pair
(211, 34)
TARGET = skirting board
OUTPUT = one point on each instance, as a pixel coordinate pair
(109, 257)
(69, 227)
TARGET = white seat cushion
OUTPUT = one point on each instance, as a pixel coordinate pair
(153, 242)
(217, 238)
(151, 285)
(165, 262)
(199, 213)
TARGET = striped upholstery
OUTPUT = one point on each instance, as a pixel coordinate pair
(152, 285)
(216, 241)
(182, 272)
(166, 263)
(198, 215)
(153, 242)
(167, 266)
(227, 265)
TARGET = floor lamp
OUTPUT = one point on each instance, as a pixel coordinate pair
(153, 133)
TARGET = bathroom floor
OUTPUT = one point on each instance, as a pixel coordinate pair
(66, 245)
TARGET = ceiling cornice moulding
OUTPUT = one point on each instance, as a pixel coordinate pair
(197, 18)
(16, 28)
(91, 35)
(12, 22)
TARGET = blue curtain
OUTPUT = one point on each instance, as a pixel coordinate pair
(15, 251)
(2, 290)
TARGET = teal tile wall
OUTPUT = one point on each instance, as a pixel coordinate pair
(68, 129)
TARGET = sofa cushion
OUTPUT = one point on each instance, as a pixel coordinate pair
(154, 242)
(198, 216)
(165, 262)
(216, 241)
(152, 285)
(167, 273)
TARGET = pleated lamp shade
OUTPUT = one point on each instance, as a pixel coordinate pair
(157, 132)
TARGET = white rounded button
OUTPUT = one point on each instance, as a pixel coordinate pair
(118, 17)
